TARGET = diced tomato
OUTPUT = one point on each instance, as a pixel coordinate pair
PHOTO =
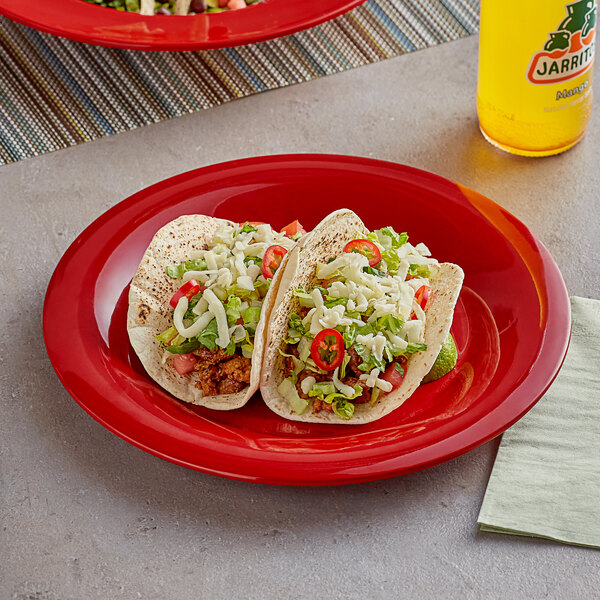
(366, 248)
(188, 289)
(327, 349)
(293, 228)
(395, 374)
(271, 260)
(327, 282)
(184, 363)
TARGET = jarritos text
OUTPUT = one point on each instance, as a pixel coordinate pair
(569, 51)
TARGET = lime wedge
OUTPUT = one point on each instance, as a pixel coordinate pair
(445, 361)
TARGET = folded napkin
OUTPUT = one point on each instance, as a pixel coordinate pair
(546, 478)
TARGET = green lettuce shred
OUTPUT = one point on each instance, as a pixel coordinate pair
(177, 271)
(247, 228)
(209, 335)
(184, 348)
(419, 271)
(343, 409)
(232, 309)
(166, 336)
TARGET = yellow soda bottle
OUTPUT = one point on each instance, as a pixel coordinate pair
(534, 90)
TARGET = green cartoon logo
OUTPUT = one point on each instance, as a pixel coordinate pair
(569, 51)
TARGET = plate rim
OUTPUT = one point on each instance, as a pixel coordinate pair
(326, 160)
(219, 38)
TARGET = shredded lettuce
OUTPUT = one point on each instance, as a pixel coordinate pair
(419, 271)
(295, 323)
(389, 323)
(331, 301)
(374, 271)
(177, 340)
(349, 336)
(189, 313)
(344, 364)
(257, 260)
(391, 260)
(235, 290)
(247, 228)
(232, 309)
(374, 395)
(398, 239)
(246, 346)
(298, 365)
(366, 329)
(177, 271)
(166, 336)
(319, 272)
(412, 348)
(321, 389)
(325, 390)
(209, 335)
(251, 315)
(388, 238)
(287, 388)
(184, 348)
(369, 361)
(343, 409)
(304, 297)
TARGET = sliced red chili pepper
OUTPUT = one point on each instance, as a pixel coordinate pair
(271, 260)
(422, 296)
(188, 289)
(293, 228)
(327, 349)
(395, 374)
(366, 248)
(184, 363)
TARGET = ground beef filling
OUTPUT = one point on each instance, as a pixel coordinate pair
(220, 373)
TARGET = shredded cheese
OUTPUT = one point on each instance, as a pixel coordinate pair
(307, 384)
(197, 326)
(347, 390)
(217, 308)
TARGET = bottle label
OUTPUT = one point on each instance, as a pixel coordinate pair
(569, 51)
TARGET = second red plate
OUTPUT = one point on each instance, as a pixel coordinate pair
(511, 326)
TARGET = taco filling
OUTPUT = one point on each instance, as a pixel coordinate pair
(217, 307)
(349, 341)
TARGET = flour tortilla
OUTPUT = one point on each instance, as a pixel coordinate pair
(150, 313)
(325, 241)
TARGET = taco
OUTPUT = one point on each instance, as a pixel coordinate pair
(197, 304)
(359, 319)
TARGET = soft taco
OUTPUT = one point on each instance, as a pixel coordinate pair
(359, 319)
(197, 306)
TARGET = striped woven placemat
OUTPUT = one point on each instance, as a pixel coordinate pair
(56, 93)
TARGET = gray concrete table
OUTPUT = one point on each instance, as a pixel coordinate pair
(85, 515)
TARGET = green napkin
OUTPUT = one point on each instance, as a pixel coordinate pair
(546, 478)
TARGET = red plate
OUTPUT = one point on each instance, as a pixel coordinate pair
(511, 326)
(85, 22)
